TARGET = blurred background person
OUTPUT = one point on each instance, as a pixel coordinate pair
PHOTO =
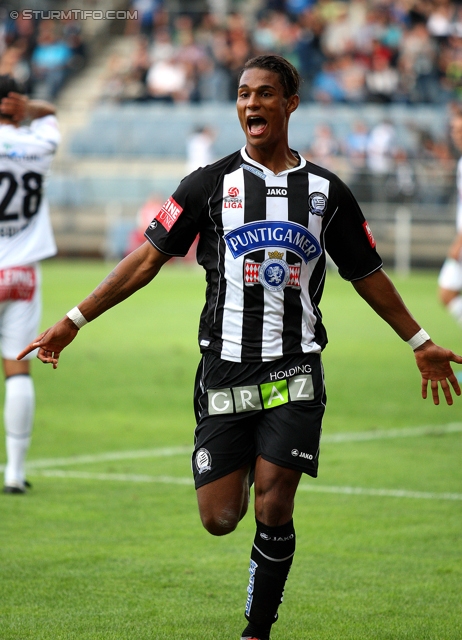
(450, 278)
(199, 148)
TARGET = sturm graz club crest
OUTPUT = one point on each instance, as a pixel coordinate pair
(203, 461)
(274, 273)
(317, 203)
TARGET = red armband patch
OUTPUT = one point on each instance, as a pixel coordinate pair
(368, 233)
(169, 213)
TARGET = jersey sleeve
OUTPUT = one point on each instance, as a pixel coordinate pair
(47, 129)
(348, 237)
(176, 225)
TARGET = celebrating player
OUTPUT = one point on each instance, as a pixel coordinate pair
(265, 219)
(26, 238)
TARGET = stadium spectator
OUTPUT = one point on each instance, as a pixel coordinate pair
(382, 80)
(327, 84)
(26, 238)
(418, 60)
(450, 278)
(146, 11)
(381, 147)
(167, 80)
(14, 63)
(199, 149)
(324, 147)
(401, 183)
(51, 62)
(354, 149)
(259, 394)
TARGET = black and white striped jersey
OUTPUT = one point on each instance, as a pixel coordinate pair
(262, 243)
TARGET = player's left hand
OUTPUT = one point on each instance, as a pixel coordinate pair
(433, 362)
(14, 105)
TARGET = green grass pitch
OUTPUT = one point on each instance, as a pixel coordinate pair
(108, 545)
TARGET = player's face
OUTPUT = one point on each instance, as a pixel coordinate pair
(262, 108)
(456, 132)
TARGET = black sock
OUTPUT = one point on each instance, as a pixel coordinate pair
(270, 563)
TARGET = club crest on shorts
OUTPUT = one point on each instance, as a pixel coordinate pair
(317, 203)
(274, 273)
(203, 461)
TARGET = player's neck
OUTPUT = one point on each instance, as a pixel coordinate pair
(275, 161)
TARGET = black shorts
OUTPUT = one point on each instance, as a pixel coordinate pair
(273, 409)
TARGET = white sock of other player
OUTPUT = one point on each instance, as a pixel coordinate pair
(18, 417)
(455, 308)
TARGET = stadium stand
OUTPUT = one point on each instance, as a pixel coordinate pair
(121, 144)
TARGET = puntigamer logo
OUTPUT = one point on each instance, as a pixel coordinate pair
(268, 233)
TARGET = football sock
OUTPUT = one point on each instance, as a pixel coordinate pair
(455, 308)
(18, 416)
(270, 562)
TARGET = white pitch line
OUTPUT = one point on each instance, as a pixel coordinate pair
(127, 477)
(117, 477)
(387, 493)
(162, 452)
(383, 434)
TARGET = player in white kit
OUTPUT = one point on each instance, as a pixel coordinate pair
(26, 238)
(450, 278)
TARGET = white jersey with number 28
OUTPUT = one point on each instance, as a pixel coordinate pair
(26, 154)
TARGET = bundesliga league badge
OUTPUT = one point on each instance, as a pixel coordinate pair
(274, 272)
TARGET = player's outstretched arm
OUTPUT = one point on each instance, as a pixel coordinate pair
(132, 273)
(433, 361)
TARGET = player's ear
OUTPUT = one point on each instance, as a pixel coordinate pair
(292, 103)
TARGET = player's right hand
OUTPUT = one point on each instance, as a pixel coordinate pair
(51, 342)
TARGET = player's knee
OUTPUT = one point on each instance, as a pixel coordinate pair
(220, 523)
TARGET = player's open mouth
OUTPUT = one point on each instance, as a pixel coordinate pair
(256, 125)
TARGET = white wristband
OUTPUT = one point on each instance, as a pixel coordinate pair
(77, 317)
(418, 340)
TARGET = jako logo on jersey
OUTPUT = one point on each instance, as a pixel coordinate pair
(369, 235)
(169, 213)
(268, 233)
(276, 192)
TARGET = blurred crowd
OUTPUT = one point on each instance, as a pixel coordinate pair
(380, 166)
(356, 51)
(379, 51)
(41, 53)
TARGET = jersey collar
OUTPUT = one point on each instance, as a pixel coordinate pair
(267, 171)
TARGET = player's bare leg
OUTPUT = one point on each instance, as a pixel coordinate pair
(18, 418)
(224, 502)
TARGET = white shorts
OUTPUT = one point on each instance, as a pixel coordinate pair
(451, 275)
(20, 318)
